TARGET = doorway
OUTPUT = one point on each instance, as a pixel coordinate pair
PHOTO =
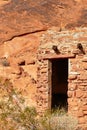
(59, 83)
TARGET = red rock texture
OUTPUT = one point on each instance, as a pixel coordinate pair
(21, 17)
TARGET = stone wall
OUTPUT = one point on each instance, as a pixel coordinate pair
(72, 45)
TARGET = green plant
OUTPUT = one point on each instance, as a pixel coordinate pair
(5, 62)
(14, 114)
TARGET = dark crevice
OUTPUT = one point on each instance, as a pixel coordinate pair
(24, 34)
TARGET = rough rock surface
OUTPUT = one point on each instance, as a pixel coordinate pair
(22, 17)
(21, 24)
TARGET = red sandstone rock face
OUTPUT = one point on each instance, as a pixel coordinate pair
(21, 24)
(21, 17)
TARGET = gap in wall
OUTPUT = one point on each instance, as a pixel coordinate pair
(59, 83)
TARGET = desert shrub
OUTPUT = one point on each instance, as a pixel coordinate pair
(58, 120)
(14, 113)
(5, 62)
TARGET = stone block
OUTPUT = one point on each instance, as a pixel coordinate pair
(85, 94)
(82, 120)
(72, 77)
(85, 112)
(70, 93)
(84, 59)
(83, 76)
(85, 127)
(84, 108)
(72, 102)
(83, 88)
(72, 87)
(80, 113)
(79, 93)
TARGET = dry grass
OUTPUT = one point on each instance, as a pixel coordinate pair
(58, 120)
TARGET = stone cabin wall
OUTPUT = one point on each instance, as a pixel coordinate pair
(66, 42)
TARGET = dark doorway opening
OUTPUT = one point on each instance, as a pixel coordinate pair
(59, 83)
